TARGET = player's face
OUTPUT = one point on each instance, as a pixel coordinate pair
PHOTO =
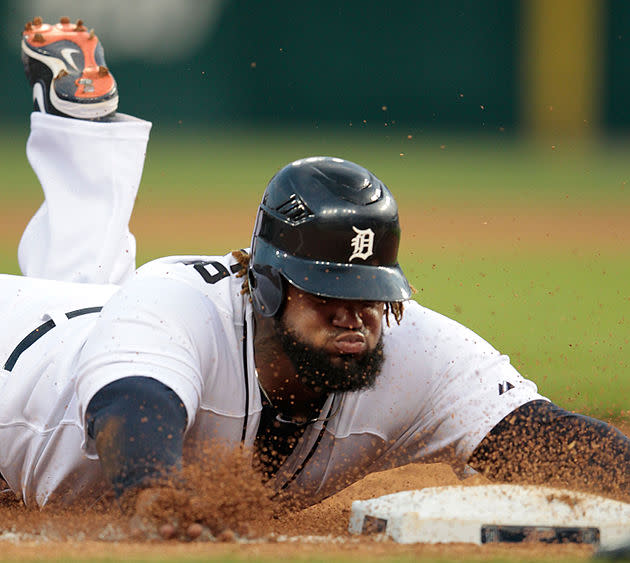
(334, 344)
(339, 327)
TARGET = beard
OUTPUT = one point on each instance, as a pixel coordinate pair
(317, 371)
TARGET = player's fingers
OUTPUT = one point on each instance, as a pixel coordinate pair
(167, 531)
(194, 531)
(227, 536)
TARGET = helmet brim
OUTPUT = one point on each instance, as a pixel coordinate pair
(338, 281)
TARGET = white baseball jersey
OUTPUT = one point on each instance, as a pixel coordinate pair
(184, 322)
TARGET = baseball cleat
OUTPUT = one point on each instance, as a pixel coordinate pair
(65, 65)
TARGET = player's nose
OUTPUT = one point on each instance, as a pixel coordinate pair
(347, 315)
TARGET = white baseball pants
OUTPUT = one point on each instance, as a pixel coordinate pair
(90, 173)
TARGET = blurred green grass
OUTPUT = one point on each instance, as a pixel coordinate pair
(561, 316)
(429, 167)
(563, 320)
(232, 162)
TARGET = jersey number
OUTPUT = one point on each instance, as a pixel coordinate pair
(221, 270)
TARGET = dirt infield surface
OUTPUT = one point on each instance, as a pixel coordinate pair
(492, 228)
(102, 532)
(174, 228)
(315, 532)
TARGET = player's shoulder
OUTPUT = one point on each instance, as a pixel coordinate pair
(218, 277)
(192, 268)
(439, 337)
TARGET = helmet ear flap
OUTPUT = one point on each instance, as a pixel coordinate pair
(266, 286)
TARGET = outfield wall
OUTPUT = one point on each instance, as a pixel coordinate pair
(455, 64)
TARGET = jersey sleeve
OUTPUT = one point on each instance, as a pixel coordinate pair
(465, 387)
(153, 327)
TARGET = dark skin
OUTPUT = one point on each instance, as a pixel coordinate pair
(543, 444)
(342, 328)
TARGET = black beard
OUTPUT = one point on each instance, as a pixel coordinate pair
(316, 371)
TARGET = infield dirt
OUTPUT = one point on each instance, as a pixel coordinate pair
(185, 228)
(318, 531)
(493, 228)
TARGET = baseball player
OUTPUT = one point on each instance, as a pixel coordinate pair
(305, 348)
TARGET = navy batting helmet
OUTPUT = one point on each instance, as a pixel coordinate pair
(329, 227)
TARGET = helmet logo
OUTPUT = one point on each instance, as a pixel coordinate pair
(362, 244)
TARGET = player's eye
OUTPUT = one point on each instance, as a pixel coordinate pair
(315, 299)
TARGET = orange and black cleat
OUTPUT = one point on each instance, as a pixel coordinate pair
(65, 65)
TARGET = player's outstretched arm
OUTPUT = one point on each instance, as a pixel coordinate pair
(138, 426)
(541, 443)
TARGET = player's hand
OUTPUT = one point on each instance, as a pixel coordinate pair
(168, 513)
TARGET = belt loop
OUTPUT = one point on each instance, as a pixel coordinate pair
(54, 319)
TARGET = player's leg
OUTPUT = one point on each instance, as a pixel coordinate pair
(90, 173)
(88, 160)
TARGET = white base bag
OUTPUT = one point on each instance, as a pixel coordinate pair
(494, 513)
